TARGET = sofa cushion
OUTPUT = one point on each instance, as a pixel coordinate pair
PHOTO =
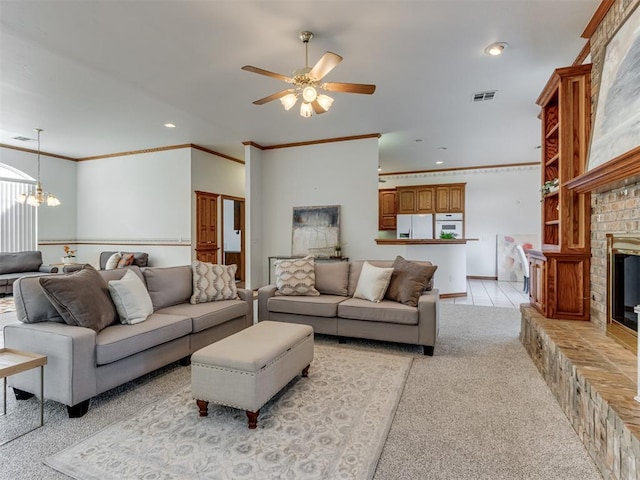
(120, 341)
(81, 298)
(332, 278)
(113, 261)
(373, 282)
(212, 282)
(408, 281)
(322, 306)
(12, 262)
(207, 315)
(32, 305)
(296, 276)
(118, 273)
(385, 311)
(169, 285)
(131, 298)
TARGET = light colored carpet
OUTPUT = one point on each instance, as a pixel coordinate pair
(478, 409)
(332, 424)
(7, 304)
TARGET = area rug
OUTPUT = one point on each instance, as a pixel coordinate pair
(332, 424)
(7, 305)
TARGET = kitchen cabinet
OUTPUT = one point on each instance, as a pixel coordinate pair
(450, 198)
(387, 209)
(416, 199)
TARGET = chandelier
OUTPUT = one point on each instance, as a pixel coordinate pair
(37, 197)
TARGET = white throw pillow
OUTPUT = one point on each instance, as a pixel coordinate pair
(296, 276)
(131, 298)
(373, 282)
(212, 282)
(112, 263)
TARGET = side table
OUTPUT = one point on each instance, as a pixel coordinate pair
(18, 361)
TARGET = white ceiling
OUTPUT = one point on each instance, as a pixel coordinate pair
(103, 77)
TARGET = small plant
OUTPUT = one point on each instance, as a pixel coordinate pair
(548, 187)
(448, 235)
(68, 253)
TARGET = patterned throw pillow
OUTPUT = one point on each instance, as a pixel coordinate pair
(212, 282)
(296, 276)
(125, 260)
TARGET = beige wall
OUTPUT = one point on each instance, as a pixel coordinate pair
(618, 210)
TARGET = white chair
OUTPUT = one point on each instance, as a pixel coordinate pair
(525, 267)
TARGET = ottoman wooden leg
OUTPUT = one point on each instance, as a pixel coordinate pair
(253, 419)
(305, 371)
(202, 406)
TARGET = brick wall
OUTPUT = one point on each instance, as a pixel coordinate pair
(614, 211)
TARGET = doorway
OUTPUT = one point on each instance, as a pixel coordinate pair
(232, 234)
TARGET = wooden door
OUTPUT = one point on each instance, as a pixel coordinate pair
(387, 209)
(207, 227)
(424, 200)
(407, 200)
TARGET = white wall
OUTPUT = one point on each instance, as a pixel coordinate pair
(59, 177)
(136, 199)
(497, 201)
(255, 261)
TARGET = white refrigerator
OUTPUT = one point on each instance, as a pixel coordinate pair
(416, 226)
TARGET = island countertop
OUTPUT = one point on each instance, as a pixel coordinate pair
(426, 241)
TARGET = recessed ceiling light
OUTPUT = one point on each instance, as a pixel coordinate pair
(418, 140)
(169, 125)
(442, 148)
(439, 162)
(379, 168)
(496, 49)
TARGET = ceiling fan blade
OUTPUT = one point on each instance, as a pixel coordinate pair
(348, 87)
(250, 68)
(275, 96)
(327, 62)
(317, 108)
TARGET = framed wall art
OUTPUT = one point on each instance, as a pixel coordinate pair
(315, 229)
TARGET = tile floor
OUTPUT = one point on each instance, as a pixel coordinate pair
(491, 293)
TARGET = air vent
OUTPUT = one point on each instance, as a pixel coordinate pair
(484, 96)
(23, 139)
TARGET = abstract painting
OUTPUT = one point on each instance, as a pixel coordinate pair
(315, 230)
(510, 267)
(616, 129)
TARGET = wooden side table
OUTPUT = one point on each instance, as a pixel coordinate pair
(13, 362)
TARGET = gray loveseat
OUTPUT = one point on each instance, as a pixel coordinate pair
(83, 363)
(14, 265)
(336, 312)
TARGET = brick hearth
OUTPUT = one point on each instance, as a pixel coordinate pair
(594, 380)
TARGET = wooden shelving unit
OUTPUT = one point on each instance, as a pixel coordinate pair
(559, 273)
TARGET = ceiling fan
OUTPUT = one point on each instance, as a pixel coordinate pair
(306, 82)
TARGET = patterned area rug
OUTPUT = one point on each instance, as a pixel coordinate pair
(7, 305)
(332, 424)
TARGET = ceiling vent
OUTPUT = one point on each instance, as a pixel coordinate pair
(23, 139)
(484, 96)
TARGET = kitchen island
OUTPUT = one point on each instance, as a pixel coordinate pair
(450, 255)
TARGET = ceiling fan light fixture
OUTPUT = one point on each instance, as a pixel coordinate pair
(306, 109)
(289, 101)
(325, 101)
(309, 94)
(37, 197)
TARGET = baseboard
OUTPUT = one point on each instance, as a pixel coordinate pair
(480, 277)
(452, 295)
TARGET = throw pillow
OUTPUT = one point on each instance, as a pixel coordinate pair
(408, 281)
(373, 282)
(112, 262)
(296, 276)
(81, 298)
(212, 282)
(125, 260)
(131, 298)
(332, 278)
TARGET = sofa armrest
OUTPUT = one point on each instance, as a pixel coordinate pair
(73, 268)
(247, 296)
(48, 269)
(70, 372)
(264, 294)
(429, 317)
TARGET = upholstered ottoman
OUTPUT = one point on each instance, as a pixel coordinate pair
(247, 368)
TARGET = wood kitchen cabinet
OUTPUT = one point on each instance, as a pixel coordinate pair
(559, 273)
(416, 199)
(450, 198)
(387, 209)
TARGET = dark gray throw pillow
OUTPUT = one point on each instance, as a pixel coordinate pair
(408, 281)
(81, 298)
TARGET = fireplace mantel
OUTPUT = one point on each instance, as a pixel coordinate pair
(620, 171)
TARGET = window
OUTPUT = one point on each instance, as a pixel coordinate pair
(18, 222)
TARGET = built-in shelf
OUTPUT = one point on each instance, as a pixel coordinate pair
(552, 132)
(552, 160)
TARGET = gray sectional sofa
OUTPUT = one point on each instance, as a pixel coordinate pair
(14, 265)
(83, 363)
(336, 312)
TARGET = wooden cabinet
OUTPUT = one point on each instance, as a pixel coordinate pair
(566, 119)
(450, 198)
(387, 209)
(416, 199)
